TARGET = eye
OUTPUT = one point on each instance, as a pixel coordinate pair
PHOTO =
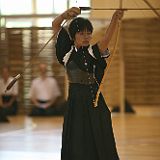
(81, 33)
(88, 33)
(85, 33)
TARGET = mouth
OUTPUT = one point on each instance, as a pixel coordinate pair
(85, 42)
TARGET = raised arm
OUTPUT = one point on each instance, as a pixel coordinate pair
(68, 14)
(104, 42)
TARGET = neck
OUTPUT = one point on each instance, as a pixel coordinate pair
(43, 76)
(5, 79)
(78, 47)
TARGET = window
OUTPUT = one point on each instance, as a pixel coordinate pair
(28, 7)
(79, 3)
(59, 8)
(44, 6)
(11, 23)
(10, 7)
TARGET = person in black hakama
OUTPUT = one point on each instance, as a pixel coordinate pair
(87, 130)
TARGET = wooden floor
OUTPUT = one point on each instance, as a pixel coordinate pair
(24, 138)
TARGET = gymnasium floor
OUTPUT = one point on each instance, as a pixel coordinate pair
(24, 138)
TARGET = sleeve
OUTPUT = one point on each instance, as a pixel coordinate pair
(56, 88)
(100, 63)
(99, 57)
(32, 90)
(0, 87)
(15, 89)
(63, 45)
(106, 53)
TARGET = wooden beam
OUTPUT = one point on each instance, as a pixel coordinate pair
(152, 8)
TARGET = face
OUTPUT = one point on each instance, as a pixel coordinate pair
(82, 38)
(5, 73)
(42, 69)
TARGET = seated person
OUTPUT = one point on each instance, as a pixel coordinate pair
(44, 94)
(3, 116)
(128, 108)
(8, 99)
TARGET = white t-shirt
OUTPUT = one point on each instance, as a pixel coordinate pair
(44, 89)
(3, 85)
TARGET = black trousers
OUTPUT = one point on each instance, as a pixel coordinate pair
(13, 108)
(3, 116)
(57, 109)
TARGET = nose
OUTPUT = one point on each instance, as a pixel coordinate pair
(86, 35)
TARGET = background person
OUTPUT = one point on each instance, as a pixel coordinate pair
(9, 98)
(44, 94)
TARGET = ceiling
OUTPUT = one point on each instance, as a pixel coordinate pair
(125, 4)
